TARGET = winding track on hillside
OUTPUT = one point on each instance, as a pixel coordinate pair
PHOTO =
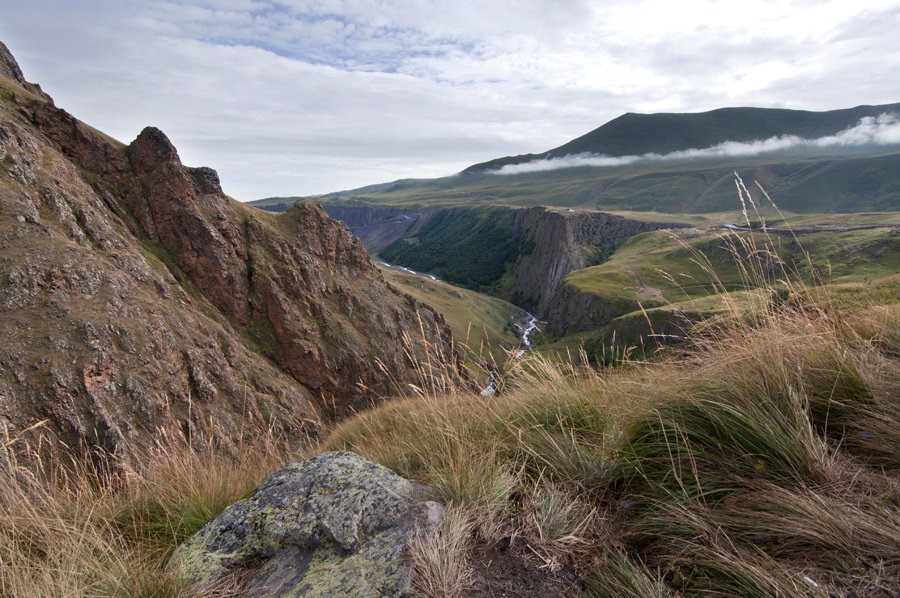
(637, 277)
(807, 229)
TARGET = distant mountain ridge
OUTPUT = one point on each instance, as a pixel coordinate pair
(838, 161)
(635, 134)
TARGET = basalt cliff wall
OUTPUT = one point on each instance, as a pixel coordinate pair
(137, 299)
(557, 242)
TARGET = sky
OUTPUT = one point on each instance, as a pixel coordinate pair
(302, 97)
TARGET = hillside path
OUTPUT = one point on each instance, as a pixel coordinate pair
(637, 277)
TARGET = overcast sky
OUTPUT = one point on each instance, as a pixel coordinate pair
(298, 97)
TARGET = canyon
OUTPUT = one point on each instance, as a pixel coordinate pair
(549, 244)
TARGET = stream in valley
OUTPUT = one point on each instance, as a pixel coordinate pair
(528, 326)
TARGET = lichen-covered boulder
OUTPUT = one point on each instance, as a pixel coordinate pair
(334, 525)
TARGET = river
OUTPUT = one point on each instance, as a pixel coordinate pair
(530, 327)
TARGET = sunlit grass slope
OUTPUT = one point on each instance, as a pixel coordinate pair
(484, 325)
(658, 282)
(761, 460)
(675, 266)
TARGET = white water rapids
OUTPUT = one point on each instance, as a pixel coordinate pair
(527, 330)
(413, 272)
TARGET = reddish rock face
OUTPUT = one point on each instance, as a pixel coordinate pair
(185, 211)
(136, 299)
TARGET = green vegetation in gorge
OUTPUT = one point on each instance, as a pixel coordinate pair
(467, 247)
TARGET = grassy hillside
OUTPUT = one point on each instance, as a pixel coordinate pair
(485, 325)
(675, 266)
(658, 283)
(842, 182)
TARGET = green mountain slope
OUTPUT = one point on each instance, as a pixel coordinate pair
(866, 182)
(637, 134)
(804, 178)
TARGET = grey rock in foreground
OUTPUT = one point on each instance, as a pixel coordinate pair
(334, 525)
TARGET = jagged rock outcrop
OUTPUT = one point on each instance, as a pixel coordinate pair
(137, 299)
(331, 526)
(185, 211)
(9, 68)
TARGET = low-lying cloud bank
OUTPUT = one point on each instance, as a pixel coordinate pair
(881, 130)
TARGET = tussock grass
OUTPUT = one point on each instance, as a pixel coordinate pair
(761, 457)
(83, 526)
(54, 541)
(442, 559)
(177, 488)
(618, 575)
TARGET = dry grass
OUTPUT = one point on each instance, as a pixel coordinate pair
(442, 559)
(55, 541)
(82, 526)
(752, 463)
(758, 459)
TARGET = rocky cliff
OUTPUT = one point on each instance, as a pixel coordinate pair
(557, 242)
(137, 299)
(521, 254)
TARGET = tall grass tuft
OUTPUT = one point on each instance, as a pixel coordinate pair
(759, 459)
(177, 488)
(96, 526)
(55, 539)
(442, 559)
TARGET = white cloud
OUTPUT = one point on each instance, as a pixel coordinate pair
(881, 130)
(305, 96)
